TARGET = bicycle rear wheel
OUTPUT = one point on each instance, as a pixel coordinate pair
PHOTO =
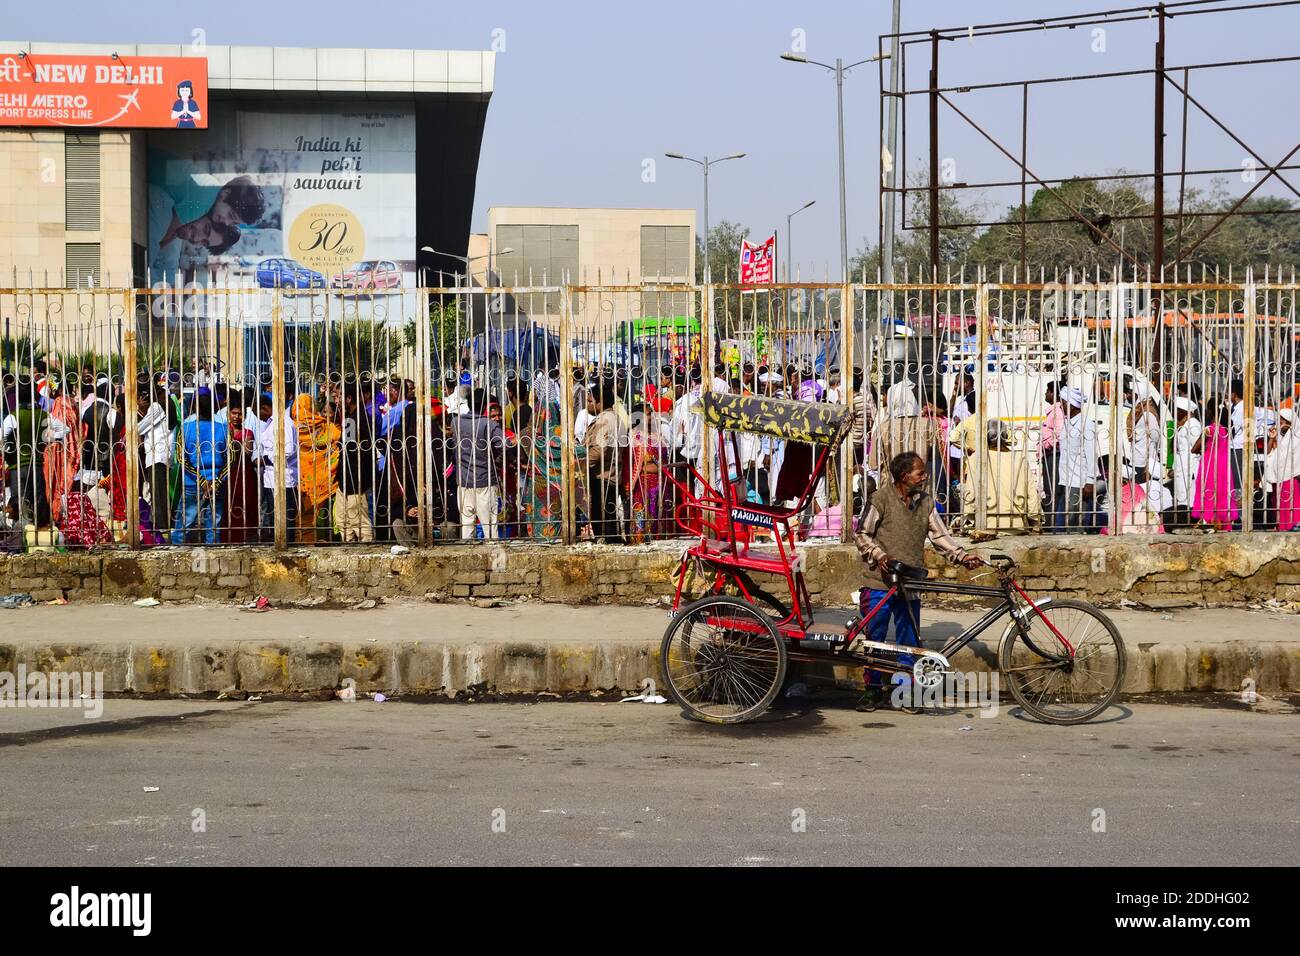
(1065, 665)
(723, 660)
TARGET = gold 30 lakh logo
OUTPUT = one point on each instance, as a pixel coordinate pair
(327, 238)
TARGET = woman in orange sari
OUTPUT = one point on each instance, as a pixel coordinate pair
(63, 457)
(318, 458)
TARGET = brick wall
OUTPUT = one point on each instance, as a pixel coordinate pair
(1169, 571)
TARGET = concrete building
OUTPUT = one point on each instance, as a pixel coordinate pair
(75, 203)
(550, 245)
(591, 245)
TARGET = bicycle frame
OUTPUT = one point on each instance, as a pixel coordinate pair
(1006, 605)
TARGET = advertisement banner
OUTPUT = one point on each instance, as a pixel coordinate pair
(758, 261)
(292, 199)
(44, 89)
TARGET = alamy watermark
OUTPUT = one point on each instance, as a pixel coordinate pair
(977, 690)
(40, 689)
(133, 911)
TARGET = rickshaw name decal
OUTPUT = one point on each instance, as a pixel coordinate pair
(745, 516)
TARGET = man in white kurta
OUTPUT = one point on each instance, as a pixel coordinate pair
(1186, 461)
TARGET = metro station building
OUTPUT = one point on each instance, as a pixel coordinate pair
(122, 165)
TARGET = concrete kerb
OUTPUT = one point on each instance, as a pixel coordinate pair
(299, 667)
(471, 651)
(457, 670)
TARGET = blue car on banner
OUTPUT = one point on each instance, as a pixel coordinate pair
(287, 274)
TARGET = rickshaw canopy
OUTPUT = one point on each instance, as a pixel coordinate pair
(817, 423)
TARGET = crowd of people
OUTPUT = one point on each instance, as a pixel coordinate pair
(1182, 459)
(495, 461)
(349, 453)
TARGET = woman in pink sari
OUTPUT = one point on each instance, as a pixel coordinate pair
(1282, 469)
(1214, 502)
(644, 480)
(63, 457)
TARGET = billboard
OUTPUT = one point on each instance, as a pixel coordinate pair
(44, 89)
(758, 261)
(282, 198)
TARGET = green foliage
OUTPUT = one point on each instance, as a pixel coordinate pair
(912, 245)
(23, 351)
(446, 333)
(1095, 220)
(724, 252)
(69, 362)
(353, 347)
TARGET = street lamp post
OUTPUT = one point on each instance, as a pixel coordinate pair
(839, 69)
(789, 241)
(887, 241)
(468, 259)
(704, 164)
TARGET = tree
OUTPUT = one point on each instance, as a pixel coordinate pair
(1268, 237)
(446, 334)
(1088, 225)
(363, 348)
(724, 252)
(1083, 225)
(912, 245)
(22, 352)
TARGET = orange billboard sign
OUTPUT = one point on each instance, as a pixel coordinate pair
(42, 89)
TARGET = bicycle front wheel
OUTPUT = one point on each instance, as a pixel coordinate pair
(1065, 664)
(723, 660)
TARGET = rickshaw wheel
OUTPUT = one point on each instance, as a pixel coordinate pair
(723, 660)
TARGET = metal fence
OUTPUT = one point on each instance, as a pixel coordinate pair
(561, 412)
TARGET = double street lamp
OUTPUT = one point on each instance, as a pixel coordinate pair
(839, 69)
(704, 164)
(467, 260)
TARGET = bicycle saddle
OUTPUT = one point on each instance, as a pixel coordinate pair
(898, 569)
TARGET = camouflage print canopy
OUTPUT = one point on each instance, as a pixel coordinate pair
(814, 422)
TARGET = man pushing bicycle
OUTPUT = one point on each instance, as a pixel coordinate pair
(898, 519)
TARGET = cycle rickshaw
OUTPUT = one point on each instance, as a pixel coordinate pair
(724, 656)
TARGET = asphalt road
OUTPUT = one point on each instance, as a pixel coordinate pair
(636, 784)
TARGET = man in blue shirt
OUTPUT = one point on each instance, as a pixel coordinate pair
(203, 465)
(398, 398)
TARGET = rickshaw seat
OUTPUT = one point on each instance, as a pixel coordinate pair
(757, 559)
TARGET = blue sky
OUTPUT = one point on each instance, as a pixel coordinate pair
(586, 91)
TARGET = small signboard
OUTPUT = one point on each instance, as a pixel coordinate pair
(103, 92)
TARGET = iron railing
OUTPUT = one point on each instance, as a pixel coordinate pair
(337, 414)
